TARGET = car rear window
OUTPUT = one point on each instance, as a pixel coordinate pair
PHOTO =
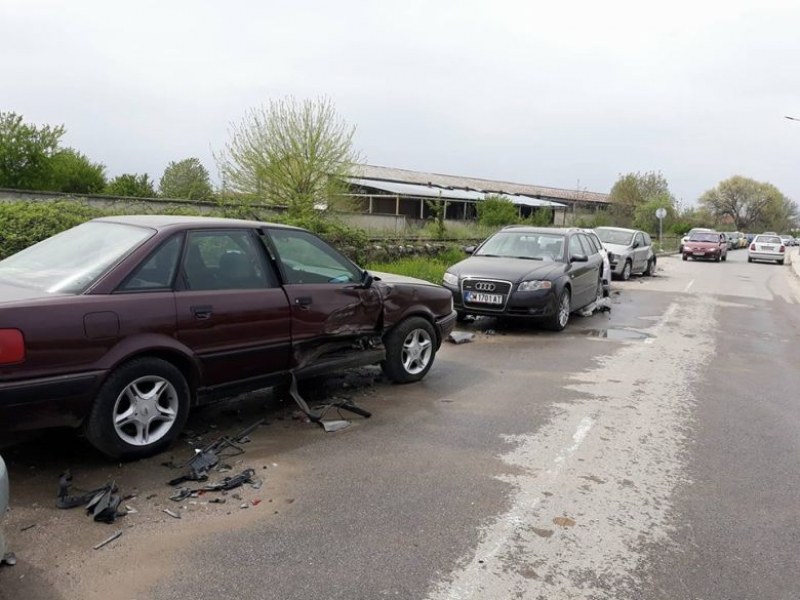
(767, 239)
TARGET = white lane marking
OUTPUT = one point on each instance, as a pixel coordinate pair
(689, 286)
(577, 439)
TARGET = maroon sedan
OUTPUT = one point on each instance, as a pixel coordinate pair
(122, 324)
(706, 244)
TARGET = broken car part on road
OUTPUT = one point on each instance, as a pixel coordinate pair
(102, 504)
(318, 415)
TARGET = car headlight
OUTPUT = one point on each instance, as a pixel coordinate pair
(532, 286)
(450, 279)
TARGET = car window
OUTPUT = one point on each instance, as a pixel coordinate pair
(639, 239)
(523, 244)
(225, 260)
(767, 239)
(157, 272)
(575, 246)
(305, 258)
(613, 236)
(647, 240)
(595, 243)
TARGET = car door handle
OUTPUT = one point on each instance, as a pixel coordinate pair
(303, 301)
(202, 312)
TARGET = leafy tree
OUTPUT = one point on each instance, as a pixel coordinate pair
(73, 172)
(290, 153)
(495, 211)
(25, 152)
(131, 184)
(644, 216)
(187, 179)
(438, 208)
(750, 205)
(633, 191)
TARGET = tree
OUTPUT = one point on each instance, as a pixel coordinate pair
(494, 211)
(187, 179)
(73, 172)
(634, 190)
(131, 184)
(25, 152)
(290, 153)
(749, 205)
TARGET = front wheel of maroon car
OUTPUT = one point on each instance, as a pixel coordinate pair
(139, 410)
(410, 350)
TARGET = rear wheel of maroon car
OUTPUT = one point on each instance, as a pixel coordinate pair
(140, 409)
(410, 350)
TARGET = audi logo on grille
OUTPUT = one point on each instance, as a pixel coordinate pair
(485, 287)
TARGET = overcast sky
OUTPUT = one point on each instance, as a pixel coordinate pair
(552, 93)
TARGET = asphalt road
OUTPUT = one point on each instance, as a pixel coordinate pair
(647, 453)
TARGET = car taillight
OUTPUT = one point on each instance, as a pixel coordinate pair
(783, 249)
(752, 246)
(12, 346)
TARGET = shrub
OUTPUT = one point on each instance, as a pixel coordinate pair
(496, 212)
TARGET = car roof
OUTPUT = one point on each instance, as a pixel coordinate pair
(531, 229)
(623, 229)
(185, 221)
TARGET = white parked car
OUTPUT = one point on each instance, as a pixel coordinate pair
(767, 247)
(3, 504)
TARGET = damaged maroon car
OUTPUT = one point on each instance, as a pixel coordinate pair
(122, 324)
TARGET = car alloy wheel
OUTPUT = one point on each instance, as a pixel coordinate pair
(139, 410)
(145, 410)
(626, 271)
(410, 350)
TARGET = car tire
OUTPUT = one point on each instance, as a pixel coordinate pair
(410, 350)
(749, 259)
(780, 262)
(128, 390)
(626, 271)
(724, 257)
(651, 267)
(559, 319)
(685, 257)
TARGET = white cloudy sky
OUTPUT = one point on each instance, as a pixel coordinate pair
(555, 93)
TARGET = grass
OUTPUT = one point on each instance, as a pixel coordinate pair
(429, 268)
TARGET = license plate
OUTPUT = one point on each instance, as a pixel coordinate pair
(699, 253)
(767, 248)
(483, 298)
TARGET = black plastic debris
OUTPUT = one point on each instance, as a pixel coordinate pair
(9, 559)
(101, 504)
(460, 337)
(318, 416)
(208, 457)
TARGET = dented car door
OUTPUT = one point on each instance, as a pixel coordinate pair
(332, 311)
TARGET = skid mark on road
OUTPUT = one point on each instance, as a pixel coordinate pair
(595, 484)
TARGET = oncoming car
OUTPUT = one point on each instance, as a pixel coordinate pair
(528, 272)
(123, 324)
(707, 245)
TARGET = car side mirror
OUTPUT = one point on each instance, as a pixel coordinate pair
(635, 245)
(366, 280)
(579, 258)
(469, 249)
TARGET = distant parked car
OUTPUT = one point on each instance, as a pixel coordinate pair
(537, 273)
(123, 324)
(3, 504)
(767, 247)
(706, 245)
(685, 238)
(631, 251)
(606, 262)
(787, 240)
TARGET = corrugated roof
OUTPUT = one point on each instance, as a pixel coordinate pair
(389, 174)
(433, 191)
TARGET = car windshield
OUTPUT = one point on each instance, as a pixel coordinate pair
(704, 237)
(612, 236)
(68, 263)
(526, 245)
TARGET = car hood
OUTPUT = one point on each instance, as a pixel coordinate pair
(702, 244)
(617, 248)
(392, 278)
(511, 269)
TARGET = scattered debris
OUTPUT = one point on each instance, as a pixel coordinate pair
(217, 501)
(108, 540)
(255, 501)
(9, 559)
(564, 521)
(490, 332)
(172, 514)
(460, 337)
(318, 416)
(102, 504)
(31, 526)
(207, 458)
(599, 305)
